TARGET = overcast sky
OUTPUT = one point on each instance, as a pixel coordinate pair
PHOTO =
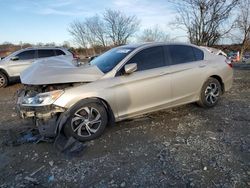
(46, 21)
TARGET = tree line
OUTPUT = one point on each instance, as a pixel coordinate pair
(206, 22)
(112, 28)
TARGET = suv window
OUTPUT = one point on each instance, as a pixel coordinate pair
(59, 52)
(181, 54)
(199, 55)
(29, 54)
(149, 58)
(45, 53)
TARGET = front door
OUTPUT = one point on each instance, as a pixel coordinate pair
(23, 61)
(146, 90)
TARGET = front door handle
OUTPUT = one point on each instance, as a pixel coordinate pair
(163, 73)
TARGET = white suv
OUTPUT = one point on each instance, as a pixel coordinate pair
(12, 65)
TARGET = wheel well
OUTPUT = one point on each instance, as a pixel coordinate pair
(111, 117)
(5, 73)
(110, 113)
(220, 80)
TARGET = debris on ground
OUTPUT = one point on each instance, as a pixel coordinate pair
(69, 146)
(32, 180)
(36, 171)
(31, 136)
(51, 178)
(25, 136)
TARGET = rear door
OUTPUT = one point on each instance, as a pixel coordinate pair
(61, 53)
(45, 53)
(187, 72)
(25, 59)
(148, 88)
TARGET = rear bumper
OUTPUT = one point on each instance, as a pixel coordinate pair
(228, 81)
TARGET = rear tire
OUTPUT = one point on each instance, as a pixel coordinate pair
(210, 93)
(87, 121)
(3, 80)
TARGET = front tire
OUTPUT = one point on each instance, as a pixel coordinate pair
(87, 121)
(3, 80)
(210, 93)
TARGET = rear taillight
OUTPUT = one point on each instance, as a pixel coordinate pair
(228, 61)
(75, 56)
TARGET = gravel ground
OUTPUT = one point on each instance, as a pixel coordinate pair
(186, 146)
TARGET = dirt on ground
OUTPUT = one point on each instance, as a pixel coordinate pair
(187, 146)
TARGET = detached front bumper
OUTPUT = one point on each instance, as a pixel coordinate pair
(46, 117)
(40, 112)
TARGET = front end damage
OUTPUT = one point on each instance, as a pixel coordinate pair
(46, 116)
(45, 82)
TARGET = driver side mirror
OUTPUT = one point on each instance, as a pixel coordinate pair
(130, 68)
(14, 58)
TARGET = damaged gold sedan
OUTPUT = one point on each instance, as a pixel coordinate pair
(122, 83)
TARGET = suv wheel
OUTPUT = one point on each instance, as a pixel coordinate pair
(87, 121)
(3, 80)
(210, 93)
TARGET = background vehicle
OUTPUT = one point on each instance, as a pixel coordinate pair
(215, 51)
(122, 83)
(12, 65)
(246, 58)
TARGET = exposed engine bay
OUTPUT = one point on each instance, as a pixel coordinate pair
(48, 88)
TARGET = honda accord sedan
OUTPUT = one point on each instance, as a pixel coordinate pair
(124, 82)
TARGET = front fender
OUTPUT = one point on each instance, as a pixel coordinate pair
(74, 95)
(2, 69)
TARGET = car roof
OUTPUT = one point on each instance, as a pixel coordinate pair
(45, 47)
(145, 44)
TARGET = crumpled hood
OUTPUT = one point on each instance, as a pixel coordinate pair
(59, 70)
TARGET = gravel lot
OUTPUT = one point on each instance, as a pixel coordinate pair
(186, 146)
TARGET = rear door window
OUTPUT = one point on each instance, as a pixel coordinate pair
(199, 54)
(29, 54)
(181, 54)
(59, 52)
(45, 53)
(149, 58)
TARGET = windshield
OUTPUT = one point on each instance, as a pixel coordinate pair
(107, 61)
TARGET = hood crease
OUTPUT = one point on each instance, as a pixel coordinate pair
(58, 70)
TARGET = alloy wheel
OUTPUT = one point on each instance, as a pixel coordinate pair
(2, 81)
(86, 121)
(212, 93)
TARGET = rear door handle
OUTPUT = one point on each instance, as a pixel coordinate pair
(201, 66)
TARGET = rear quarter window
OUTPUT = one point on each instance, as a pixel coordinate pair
(199, 54)
(59, 52)
(181, 54)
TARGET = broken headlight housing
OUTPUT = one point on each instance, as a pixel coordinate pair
(41, 99)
